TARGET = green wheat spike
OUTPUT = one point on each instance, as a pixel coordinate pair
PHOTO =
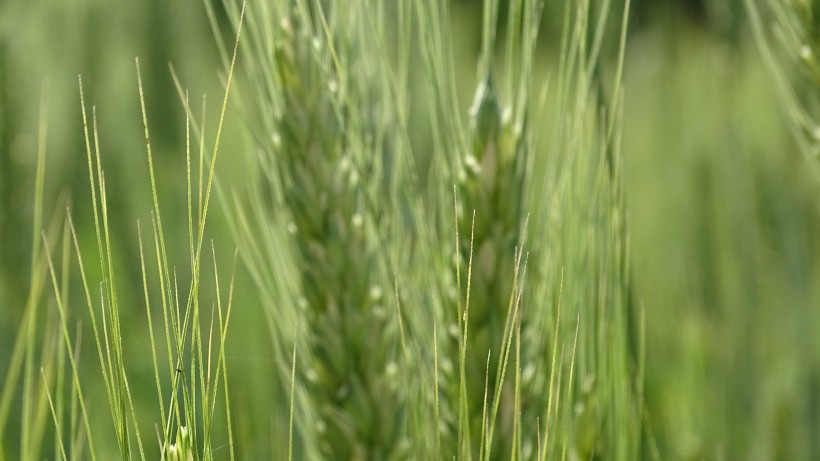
(490, 186)
(324, 167)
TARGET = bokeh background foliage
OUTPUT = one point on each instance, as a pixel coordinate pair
(674, 222)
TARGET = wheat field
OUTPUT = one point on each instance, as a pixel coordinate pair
(416, 229)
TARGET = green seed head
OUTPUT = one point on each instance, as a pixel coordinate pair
(183, 449)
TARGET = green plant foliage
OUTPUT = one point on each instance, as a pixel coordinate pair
(487, 230)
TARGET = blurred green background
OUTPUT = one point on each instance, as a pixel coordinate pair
(723, 214)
